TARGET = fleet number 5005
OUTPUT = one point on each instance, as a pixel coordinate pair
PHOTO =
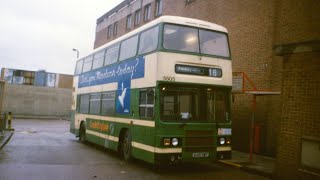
(169, 78)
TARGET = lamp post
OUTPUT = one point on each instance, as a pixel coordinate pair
(77, 52)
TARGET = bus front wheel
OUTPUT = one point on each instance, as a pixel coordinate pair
(126, 146)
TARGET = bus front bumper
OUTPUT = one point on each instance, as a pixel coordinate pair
(173, 158)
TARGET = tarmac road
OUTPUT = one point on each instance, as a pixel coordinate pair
(44, 149)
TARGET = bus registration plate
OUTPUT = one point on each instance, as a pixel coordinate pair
(200, 154)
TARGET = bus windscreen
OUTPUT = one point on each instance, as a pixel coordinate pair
(195, 40)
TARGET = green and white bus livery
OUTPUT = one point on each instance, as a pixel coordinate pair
(160, 93)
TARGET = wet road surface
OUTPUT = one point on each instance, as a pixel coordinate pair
(44, 149)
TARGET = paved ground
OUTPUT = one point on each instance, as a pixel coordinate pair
(44, 149)
(5, 136)
(261, 165)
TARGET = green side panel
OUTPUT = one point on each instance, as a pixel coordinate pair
(92, 138)
(106, 128)
(141, 134)
(143, 155)
(94, 125)
(144, 135)
(110, 144)
(134, 106)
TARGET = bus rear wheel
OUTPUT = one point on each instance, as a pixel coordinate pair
(126, 146)
(82, 136)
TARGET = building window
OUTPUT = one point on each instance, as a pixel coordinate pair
(158, 8)
(109, 31)
(137, 17)
(129, 23)
(189, 1)
(147, 12)
(115, 28)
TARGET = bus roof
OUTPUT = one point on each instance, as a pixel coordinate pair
(165, 19)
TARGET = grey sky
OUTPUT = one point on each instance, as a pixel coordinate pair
(40, 34)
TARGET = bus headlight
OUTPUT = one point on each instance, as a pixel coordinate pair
(175, 142)
(222, 141)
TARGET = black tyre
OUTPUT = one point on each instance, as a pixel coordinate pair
(82, 135)
(126, 146)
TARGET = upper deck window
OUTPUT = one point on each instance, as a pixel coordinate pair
(214, 43)
(181, 38)
(87, 64)
(149, 40)
(129, 48)
(98, 60)
(195, 40)
(112, 54)
(79, 67)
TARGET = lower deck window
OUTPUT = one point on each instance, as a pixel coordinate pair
(194, 104)
(146, 104)
(84, 103)
(95, 103)
(108, 103)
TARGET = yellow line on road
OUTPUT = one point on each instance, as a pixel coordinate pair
(230, 163)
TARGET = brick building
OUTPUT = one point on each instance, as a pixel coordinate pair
(276, 43)
(297, 45)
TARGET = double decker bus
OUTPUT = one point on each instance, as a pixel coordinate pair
(160, 93)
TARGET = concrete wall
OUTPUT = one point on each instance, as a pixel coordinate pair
(23, 100)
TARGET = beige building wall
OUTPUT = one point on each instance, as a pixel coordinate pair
(34, 101)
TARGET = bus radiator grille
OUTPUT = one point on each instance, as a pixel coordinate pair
(199, 141)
